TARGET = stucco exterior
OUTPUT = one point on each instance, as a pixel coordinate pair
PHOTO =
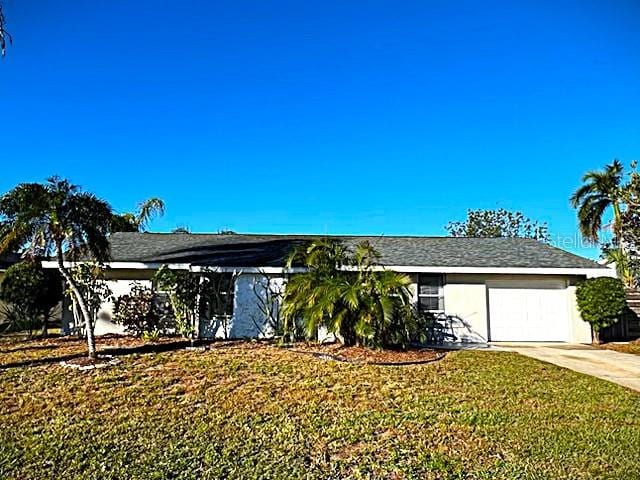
(466, 297)
(252, 293)
(466, 301)
(256, 298)
(120, 283)
(580, 331)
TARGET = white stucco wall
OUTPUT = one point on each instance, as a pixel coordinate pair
(105, 323)
(249, 320)
(580, 331)
(465, 297)
(120, 283)
(465, 301)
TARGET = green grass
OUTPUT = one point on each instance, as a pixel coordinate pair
(254, 411)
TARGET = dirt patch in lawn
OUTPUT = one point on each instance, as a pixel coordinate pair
(365, 355)
(627, 347)
(85, 363)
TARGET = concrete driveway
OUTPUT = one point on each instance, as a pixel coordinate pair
(620, 368)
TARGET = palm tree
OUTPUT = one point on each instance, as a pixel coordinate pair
(376, 295)
(57, 218)
(345, 292)
(601, 190)
(626, 268)
(138, 221)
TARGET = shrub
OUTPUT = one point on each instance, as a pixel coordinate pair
(32, 293)
(14, 319)
(346, 292)
(184, 290)
(137, 311)
(601, 301)
(152, 335)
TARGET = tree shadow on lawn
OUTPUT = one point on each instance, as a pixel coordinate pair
(8, 341)
(28, 348)
(113, 351)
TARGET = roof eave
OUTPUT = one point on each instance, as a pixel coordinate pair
(588, 272)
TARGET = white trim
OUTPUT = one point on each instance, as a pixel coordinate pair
(269, 270)
(125, 265)
(588, 272)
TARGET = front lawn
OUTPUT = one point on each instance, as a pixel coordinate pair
(256, 411)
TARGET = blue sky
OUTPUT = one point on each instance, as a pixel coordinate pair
(376, 117)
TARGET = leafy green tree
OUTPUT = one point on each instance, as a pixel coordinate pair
(57, 218)
(184, 290)
(601, 191)
(92, 283)
(138, 221)
(346, 292)
(498, 223)
(32, 291)
(600, 301)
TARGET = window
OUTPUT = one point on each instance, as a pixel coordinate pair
(218, 295)
(430, 294)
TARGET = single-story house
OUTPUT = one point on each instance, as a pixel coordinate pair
(497, 289)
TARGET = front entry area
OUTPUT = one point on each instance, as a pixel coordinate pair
(531, 311)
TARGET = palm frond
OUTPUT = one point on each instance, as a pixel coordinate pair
(600, 191)
(149, 209)
(590, 215)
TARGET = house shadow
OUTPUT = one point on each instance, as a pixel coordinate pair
(217, 327)
(454, 331)
(245, 253)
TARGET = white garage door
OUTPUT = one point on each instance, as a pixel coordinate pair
(528, 312)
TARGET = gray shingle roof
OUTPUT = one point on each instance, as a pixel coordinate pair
(240, 250)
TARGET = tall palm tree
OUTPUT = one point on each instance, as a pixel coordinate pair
(56, 218)
(601, 190)
(138, 221)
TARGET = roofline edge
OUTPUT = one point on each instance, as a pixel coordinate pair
(589, 272)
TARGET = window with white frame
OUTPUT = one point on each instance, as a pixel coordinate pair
(430, 293)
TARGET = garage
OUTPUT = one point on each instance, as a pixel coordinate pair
(535, 311)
